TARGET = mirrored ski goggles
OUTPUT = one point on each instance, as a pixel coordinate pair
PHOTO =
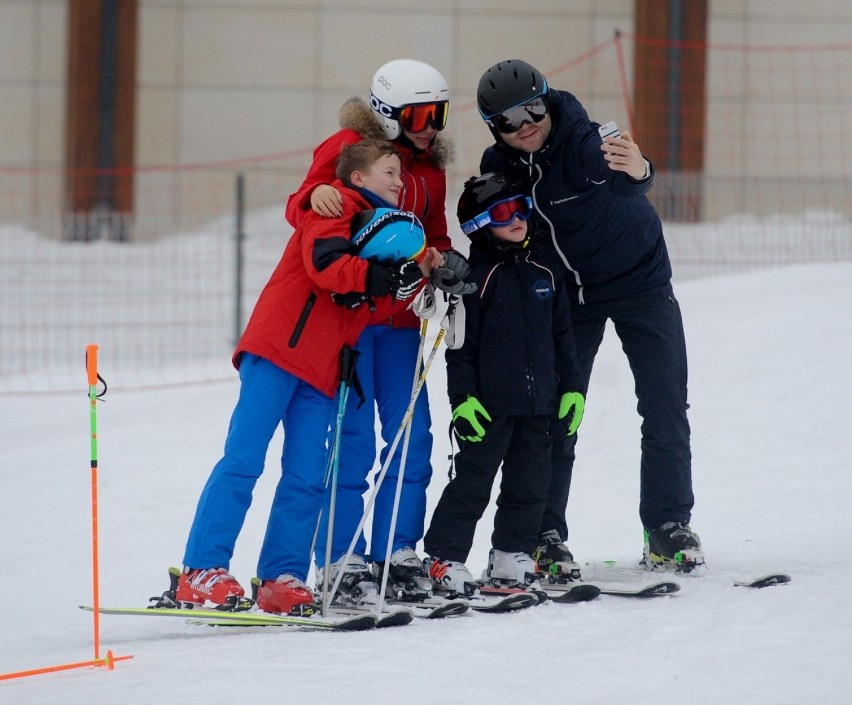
(500, 214)
(512, 120)
(416, 118)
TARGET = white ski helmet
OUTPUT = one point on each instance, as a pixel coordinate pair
(403, 82)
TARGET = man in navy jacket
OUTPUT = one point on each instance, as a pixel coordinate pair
(590, 199)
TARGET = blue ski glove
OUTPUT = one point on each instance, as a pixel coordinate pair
(571, 406)
(467, 426)
(450, 276)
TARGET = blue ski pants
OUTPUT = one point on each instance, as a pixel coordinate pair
(268, 396)
(385, 369)
(650, 328)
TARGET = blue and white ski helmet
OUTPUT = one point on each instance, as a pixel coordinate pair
(387, 235)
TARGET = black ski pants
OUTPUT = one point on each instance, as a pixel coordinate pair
(523, 445)
(650, 328)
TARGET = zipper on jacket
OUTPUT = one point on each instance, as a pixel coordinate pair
(303, 320)
(529, 342)
(535, 178)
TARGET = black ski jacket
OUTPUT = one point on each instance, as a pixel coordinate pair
(596, 221)
(518, 355)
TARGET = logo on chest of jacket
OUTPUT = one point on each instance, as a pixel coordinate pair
(560, 201)
(542, 289)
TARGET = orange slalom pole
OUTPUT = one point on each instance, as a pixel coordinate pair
(110, 659)
(92, 375)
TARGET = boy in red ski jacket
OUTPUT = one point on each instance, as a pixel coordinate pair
(289, 364)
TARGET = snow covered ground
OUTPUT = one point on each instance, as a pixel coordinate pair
(771, 396)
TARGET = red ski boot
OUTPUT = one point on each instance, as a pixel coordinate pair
(200, 586)
(284, 595)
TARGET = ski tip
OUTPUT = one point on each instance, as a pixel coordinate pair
(359, 623)
(765, 581)
(584, 592)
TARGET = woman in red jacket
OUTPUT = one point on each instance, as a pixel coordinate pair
(409, 103)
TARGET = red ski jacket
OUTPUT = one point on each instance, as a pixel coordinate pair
(295, 324)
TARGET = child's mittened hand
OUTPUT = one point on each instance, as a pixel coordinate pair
(449, 275)
(469, 419)
(572, 405)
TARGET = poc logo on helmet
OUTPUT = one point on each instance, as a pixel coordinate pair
(381, 108)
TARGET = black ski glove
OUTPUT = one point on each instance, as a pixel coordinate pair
(400, 280)
(351, 300)
(450, 277)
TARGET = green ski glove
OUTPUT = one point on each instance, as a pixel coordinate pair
(468, 427)
(571, 406)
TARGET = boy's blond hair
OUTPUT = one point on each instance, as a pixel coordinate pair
(361, 156)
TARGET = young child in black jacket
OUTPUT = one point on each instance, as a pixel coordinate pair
(515, 372)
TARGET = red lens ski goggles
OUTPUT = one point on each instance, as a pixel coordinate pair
(500, 214)
(416, 118)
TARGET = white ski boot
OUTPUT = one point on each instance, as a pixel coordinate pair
(506, 569)
(449, 576)
(407, 579)
(357, 587)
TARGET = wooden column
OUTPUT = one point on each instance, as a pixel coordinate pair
(100, 119)
(670, 62)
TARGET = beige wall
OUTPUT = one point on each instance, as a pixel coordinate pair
(225, 79)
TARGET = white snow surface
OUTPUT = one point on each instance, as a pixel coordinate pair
(771, 405)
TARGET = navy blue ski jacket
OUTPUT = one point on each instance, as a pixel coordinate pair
(596, 221)
(519, 354)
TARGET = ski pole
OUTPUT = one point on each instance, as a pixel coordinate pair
(348, 356)
(93, 377)
(406, 417)
(401, 473)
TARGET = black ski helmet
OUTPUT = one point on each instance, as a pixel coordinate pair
(478, 195)
(507, 84)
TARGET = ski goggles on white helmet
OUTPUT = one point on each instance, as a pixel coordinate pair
(500, 214)
(513, 119)
(415, 117)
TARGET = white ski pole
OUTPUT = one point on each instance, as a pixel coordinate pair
(401, 473)
(384, 470)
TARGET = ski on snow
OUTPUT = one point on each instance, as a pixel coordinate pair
(250, 618)
(651, 590)
(389, 616)
(435, 608)
(496, 603)
(767, 580)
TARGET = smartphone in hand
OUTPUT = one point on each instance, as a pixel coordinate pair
(609, 130)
